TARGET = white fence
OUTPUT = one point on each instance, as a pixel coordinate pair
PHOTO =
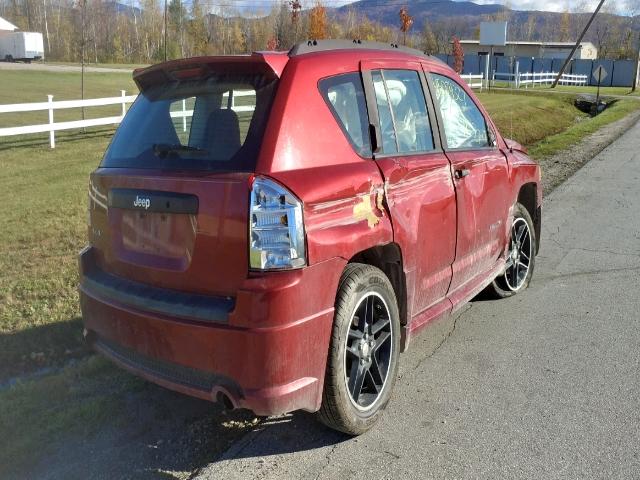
(51, 106)
(184, 113)
(518, 80)
(474, 81)
(122, 100)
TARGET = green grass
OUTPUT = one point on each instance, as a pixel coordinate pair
(573, 89)
(527, 118)
(123, 66)
(20, 86)
(44, 226)
(592, 90)
(555, 143)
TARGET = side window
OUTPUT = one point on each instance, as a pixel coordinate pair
(345, 96)
(409, 108)
(464, 125)
(389, 144)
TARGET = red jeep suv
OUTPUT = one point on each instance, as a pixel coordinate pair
(271, 230)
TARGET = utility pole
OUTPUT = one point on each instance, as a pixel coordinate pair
(165, 30)
(573, 51)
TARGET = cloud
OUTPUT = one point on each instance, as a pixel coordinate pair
(543, 5)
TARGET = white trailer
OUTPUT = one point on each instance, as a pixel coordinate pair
(21, 46)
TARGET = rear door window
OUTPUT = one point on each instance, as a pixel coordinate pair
(345, 96)
(402, 110)
(213, 123)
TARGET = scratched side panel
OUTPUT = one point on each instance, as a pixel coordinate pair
(421, 198)
(341, 217)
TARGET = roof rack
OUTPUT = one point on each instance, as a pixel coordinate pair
(312, 46)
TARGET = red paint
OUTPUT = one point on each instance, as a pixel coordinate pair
(272, 351)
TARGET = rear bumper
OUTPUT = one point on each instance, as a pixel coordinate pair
(268, 356)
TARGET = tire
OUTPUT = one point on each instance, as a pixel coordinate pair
(522, 258)
(364, 350)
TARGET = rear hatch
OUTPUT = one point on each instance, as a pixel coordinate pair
(169, 203)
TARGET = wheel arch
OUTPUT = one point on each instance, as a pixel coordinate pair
(388, 258)
(528, 197)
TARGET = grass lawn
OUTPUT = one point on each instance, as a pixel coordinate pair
(528, 119)
(593, 90)
(44, 226)
(546, 124)
(25, 86)
(573, 89)
(123, 66)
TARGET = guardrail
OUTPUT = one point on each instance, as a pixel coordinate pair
(474, 81)
(50, 105)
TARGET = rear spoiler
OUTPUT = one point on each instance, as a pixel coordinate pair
(269, 63)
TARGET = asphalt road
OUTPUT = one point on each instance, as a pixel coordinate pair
(543, 385)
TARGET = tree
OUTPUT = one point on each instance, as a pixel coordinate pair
(458, 55)
(429, 41)
(406, 21)
(565, 26)
(272, 44)
(296, 8)
(318, 22)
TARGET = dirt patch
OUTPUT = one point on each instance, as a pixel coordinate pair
(557, 168)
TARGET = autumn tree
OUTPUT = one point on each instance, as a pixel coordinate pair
(318, 22)
(458, 55)
(272, 44)
(406, 21)
(429, 41)
(296, 8)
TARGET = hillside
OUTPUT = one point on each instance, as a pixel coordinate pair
(421, 10)
(463, 18)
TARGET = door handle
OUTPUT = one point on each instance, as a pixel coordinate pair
(461, 173)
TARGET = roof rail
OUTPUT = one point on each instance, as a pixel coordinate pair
(312, 46)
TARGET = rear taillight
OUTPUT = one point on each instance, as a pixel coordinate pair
(276, 229)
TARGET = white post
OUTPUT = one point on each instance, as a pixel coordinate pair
(52, 138)
(486, 72)
(517, 75)
(124, 106)
(184, 114)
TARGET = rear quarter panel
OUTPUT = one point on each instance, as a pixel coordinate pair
(305, 149)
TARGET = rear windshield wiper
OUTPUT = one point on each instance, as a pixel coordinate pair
(164, 149)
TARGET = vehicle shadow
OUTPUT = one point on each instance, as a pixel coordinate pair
(38, 350)
(161, 434)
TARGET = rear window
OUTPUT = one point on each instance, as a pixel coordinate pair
(214, 123)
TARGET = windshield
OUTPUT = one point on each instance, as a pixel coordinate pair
(215, 123)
